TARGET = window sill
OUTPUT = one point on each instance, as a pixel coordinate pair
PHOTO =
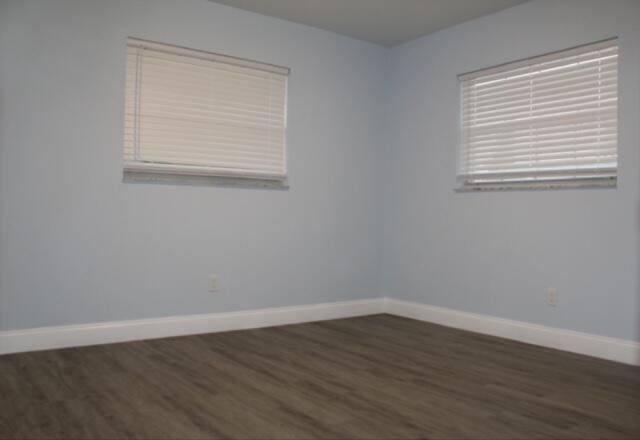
(135, 176)
(610, 183)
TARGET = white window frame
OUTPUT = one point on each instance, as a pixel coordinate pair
(141, 171)
(467, 181)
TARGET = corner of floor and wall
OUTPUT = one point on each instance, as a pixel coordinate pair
(370, 223)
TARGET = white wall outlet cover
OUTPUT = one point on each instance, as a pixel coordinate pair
(214, 284)
(552, 296)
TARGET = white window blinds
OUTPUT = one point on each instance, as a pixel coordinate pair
(549, 121)
(197, 113)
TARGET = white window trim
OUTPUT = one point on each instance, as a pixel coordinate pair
(150, 172)
(584, 181)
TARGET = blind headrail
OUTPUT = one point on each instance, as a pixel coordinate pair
(576, 50)
(205, 55)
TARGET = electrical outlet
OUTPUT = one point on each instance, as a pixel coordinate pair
(213, 284)
(552, 296)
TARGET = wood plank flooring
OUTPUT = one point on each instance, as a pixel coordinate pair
(375, 377)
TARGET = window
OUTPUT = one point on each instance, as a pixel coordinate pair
(195, 113)
(542, 122)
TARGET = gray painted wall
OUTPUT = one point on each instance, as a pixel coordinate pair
(371, 210)
(497, 253)
(77, 245)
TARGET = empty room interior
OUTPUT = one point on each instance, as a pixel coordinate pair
(332, 219)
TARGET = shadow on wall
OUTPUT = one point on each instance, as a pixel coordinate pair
(638, 268)
(638, 274)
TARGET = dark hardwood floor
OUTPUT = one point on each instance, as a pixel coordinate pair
(375, 377)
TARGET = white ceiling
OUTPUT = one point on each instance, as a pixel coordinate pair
(385, 22)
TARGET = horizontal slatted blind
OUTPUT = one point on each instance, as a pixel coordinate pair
(550, 120)
(193, 112)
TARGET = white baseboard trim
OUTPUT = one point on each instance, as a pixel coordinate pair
(614, 349)
(45, 338)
